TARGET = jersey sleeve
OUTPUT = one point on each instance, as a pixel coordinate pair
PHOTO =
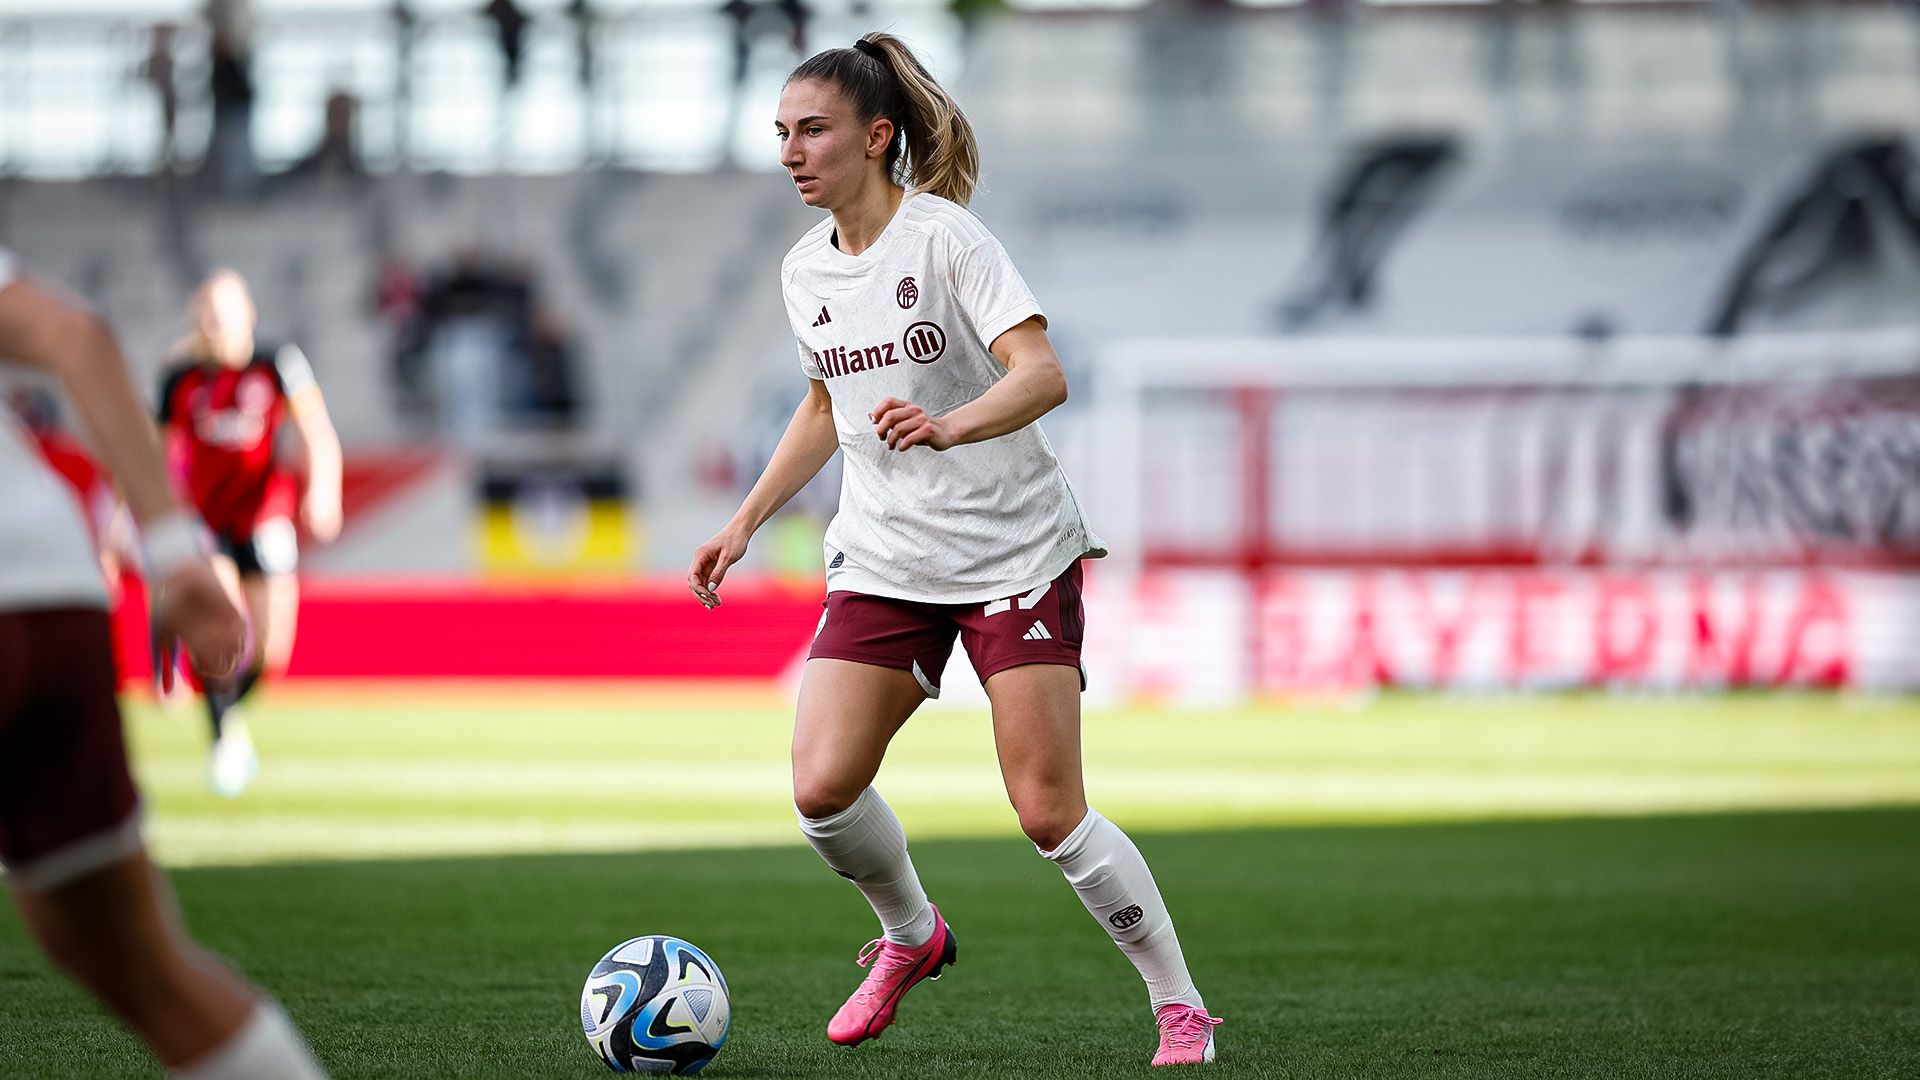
(991, 292)
(809, 363)
(291, 368)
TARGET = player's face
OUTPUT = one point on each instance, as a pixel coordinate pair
(826, 150)
(224, 316)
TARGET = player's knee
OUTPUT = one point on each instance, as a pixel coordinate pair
(816, 800)
(1049, 826)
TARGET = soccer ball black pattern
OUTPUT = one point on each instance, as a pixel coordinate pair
(656, 1004)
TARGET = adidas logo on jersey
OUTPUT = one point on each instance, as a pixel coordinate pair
(824, 318)
(1038, 632)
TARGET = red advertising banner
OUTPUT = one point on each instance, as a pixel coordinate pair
(1200, 636)
(1221, 635)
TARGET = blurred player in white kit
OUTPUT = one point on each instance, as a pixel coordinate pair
(70, 836)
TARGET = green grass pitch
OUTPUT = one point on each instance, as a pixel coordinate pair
(1582, 886)
(1740, 946)
(377, 770)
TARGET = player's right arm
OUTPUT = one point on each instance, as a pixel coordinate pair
(804, 450)
(41, 330)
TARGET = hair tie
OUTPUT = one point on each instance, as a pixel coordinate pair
(869, 48)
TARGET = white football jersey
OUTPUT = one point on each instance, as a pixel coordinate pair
(911, 318)
(46, 555)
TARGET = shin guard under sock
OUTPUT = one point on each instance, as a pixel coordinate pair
(1112, 880)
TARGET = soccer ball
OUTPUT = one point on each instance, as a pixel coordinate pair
(656, 1005)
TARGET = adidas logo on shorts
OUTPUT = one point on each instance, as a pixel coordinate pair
(1037, 633)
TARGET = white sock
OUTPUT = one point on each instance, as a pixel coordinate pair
(1112, 879)
(265, 1048)
(866, 845)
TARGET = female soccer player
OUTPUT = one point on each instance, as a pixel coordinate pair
(930, 363)
(69, 813)
(222, 408)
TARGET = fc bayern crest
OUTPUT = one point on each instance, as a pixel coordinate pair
(908, 293)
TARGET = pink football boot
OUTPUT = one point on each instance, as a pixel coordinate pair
(896, 969)
(1186, 1035)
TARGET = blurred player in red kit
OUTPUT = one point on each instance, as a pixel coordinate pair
(70, 836)
(222, 408)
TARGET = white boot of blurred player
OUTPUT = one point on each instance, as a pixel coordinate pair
(234, 762)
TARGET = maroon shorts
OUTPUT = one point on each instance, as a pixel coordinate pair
(1043, 626)
(67, 801)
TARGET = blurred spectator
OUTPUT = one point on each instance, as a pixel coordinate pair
(157, 72)
(543, 395)
(230, 165)
(399, 291)
(404, 23)
(741, 12)
(754, 18)
(399, 296)
(971, 13)
(796, 14)
(336, 154)
(582, 14)
(476, 346)
(511, 23)
(467, 330)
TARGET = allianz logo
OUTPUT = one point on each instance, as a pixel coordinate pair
(925, 342)
(844, 361)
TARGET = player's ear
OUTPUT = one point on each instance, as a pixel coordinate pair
(879, 137)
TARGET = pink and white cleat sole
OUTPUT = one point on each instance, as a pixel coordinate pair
(1186, 1035)
(896, 969)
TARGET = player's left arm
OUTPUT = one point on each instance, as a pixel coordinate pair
(321, 507)
(1035, 385)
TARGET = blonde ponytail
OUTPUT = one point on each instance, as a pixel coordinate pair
(934, 149)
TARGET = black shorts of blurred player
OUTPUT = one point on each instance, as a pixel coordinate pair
(272, 549)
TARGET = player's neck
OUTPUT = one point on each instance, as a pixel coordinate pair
(857, 226)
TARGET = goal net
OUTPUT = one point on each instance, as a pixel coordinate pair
(1506, 512)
